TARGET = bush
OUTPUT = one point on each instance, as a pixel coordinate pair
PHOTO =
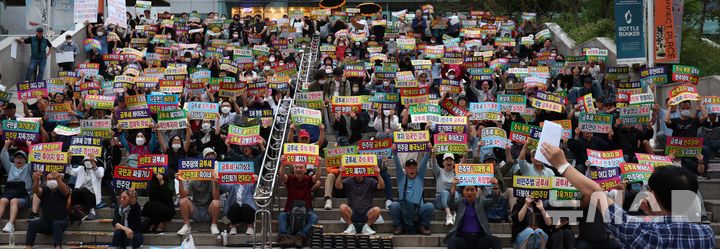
(700, 54)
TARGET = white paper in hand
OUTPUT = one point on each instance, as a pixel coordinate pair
(551, 134)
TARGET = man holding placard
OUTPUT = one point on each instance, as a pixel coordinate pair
(686, 126)
(299, 186)
(360, 190)
(205, 203)
(411, 210)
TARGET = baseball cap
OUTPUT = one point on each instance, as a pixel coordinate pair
(20, 153)
(448, 155)
(489, 156)
(39, 30)
(411, 162)
(304, 134)
(207, 151)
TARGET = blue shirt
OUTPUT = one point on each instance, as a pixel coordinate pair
(470, 222)
(662, 232)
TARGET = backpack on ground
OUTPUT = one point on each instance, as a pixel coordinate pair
(298, 217)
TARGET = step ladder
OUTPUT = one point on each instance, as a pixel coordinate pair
(265, 189)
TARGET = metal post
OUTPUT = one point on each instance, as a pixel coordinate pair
(650, 33)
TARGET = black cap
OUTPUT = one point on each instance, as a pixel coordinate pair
(411, 162)
(10, 106)
(39, 30)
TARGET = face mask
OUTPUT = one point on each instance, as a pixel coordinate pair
(272, 59)
(451, 76)
(176, 146)
(357, 44)
(69, 41)
(341, 44)
(205, 126)
(140, 141)
(52, 184)
(685, 113)
(355, 89)
(328, 71)
(321, 82)
(188, 60)
(235, 36)
(88, 165)
(225, 110)
(386, 83)
(386, 112)
(281, 63)
(100, 33)
(266, 68)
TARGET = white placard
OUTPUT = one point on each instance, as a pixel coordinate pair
(551, 134)
(62, 57)
(116, 13)
(85, 10)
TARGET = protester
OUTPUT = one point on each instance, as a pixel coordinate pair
(126, 220)
(472, 229)
(160, 207)
(240, 207)
(205, 203)
(299, 186)
(68, 46)
(53, 220)
(87, 192)
(18, 186)
(410, 213)
(360, 190)
(40, 49)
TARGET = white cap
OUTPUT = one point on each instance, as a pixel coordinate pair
(208, 150)
(448, 155)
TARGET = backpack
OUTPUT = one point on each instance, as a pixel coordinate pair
(77, 213)
(497, 212)
(298, 217)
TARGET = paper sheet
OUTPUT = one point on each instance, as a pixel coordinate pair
(13, 50)
(550, 134)
(62, 57)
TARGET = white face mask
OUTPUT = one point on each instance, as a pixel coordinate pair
(386, 83)
(281, 63)
(452, 76)
(225, 109)
(176, 146)
(140, 141)
(266, 68)
(235, 36)
(355, 89)
(52, 184)
(272, 59)
(100, 33)
(69, 41)
(88, 165)
(685, 113)
(206, 126)
(328, 71)
(321, 82)
(386, 112)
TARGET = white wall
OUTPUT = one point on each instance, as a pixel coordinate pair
(202, 6)
(13, 19)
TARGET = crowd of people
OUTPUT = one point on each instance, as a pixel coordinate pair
(449, 61)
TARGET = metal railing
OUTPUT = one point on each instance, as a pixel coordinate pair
(264, 191)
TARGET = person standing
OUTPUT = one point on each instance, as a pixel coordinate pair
(40, 49)
(68, 46)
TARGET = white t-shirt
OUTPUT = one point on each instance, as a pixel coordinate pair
(298, 25)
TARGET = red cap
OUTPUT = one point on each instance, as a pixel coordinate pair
(304, 133)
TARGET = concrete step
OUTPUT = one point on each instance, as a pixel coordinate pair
(428, 192)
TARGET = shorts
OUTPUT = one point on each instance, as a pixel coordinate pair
(200, 213)
(360, 215)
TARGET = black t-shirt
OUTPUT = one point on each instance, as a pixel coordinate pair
(50, 201)
(684, 128)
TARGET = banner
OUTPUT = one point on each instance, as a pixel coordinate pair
(99, 101)
(162, 102)
(54, 157)
(475, 174)
(244, 136)
(20, 130)
(28, 90)
(450, 108)
(682, 93)
(664, 40)
(346, 104)
(423, 113)
(642, 99)
(654, 160)
(379, 147)
(493, 137)
(415, 96)
(684, 146)
(411, 141)
(686, 74)
(196, 169)
(333, 157)
(96, 128)
(547, 101)
(307, 116)
(605, 159)
(158, 163)
(563, 190)
(405, 44)
(125, 177)
(522, 133)
(655, 75)
(202, 110)
(85, 10)
(453, 143)
(236, 172)
(82, 146)
(172, 120)
(595, 123)
(534, 187)
(635, 115)
(712, 104)
(300, 154)
(66, 131)
(633, 172)
(607, 178)
(135, 119)
(359, 165)
(58, 112)
(116, 13)
(485, 111)
(385, 101)
(512, 102)
(587, 103)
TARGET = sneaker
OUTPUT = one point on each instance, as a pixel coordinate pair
(33, 216)
(366, 230)
(185, 230)
(328, 204)
(250, 231)
(380, 220)
(214, 230)
(704, 219)
(89, 216)
(284, 240)
(101, 205)
(454, 215)
(387, 204)
(9, 228)
(351, 230)
(298, 241)
(448, 220)
(233, 230)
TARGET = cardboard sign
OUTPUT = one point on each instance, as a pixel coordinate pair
(547, 102)
(405, 44)
(134, 119)
(588, 103)
(99, 101)
(236, 172)
(475, 174)
(485, 111)
(635, 115)
(333, 157)
(66, 131)
(686, 74)
(642, 99)
(346, 104)
(607, 178)
(454, 143)
(28, 90)
(655, 75)
(654, 160)
(244, 136)
(81, 146)
(436, 52)
(423, 113)
(310, 100)
(493, 137)
(158, 163)
(683, 93)
(196, 169)
(96, 128)
(20, 130)
(379, 147)
(202, 110)
(405, 79)
(604, 159)
(51, 147)
(512, 102)
(562, 189)
(684, 146)
(58, 112)
(534, 187)
(595, 123)
(522, 133)
(127, 177)
(300, 154)
(712, 104)
(135, 102)
(307, 116)
(172, 120)
(359, 165)
(162, 102)
(52, 157)
(633, 172)
(415, 96)
(49, 167)
(451, 108)
(411, 141)
(385, 101)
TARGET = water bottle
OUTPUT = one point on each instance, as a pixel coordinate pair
(224, 238)
(11, 238)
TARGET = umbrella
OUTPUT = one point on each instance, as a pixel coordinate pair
(331, 4)
(369, 8)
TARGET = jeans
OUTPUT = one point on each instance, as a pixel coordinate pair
(283, 223)
(36, 65)
(441, 198)
(660, 140)
(56, 228)
(562, 239)
(426, 213)
(534, 238)
(120, 239)
(388, 187)
(605, 244)
(710, 148)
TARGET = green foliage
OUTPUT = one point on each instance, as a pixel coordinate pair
(695, 52)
